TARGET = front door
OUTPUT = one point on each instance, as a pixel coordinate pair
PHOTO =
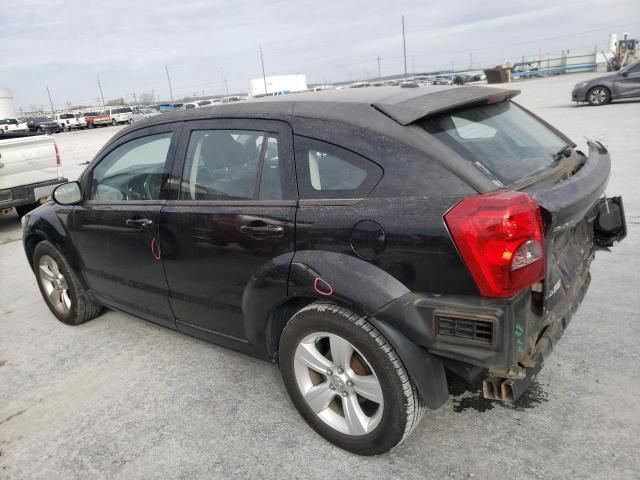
(116, 227)
(233, 215)
(628, 82)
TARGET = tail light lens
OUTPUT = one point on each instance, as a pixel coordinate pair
(67, 122)
(500, 239)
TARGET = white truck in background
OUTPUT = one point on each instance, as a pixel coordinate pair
(30, 168)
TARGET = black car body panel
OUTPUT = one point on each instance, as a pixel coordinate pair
(233, 271)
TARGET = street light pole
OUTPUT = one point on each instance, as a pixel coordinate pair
(404, 47)
(264, 77)
(100, 88)
(53, 111)
(166, 69)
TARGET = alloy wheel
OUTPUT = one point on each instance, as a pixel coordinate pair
(54, 284)
(338, 383)
(598, 96)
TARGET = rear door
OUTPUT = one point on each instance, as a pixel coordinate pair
(232, 216)
(115, 229)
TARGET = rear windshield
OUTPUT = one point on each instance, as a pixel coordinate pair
(91, 114)
(121, 110)
(503, 138)
(67, 115)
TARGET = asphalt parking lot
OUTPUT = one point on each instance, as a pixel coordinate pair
(122, 398)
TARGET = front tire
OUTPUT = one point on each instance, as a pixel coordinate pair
(598, 96)
(347, 381)
(60, 287)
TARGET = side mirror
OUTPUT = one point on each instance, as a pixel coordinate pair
(625, 74)
(67, 193)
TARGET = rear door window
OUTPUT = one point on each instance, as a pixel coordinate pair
(502, 138)
(225, 165)
(328, 171)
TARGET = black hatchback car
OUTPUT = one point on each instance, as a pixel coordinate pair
(364, 240)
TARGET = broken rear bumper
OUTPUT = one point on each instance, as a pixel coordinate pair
(507, 341)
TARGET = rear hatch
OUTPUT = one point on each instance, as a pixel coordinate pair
(517, 151)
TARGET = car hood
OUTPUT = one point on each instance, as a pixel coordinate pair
(602, 79)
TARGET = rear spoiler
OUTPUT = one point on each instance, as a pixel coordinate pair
(409, 110)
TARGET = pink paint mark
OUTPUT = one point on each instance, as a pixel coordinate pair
(322, 288)
(155, 246)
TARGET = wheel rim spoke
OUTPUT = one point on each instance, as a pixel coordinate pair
(368, 387)
(45, 271)
(319, 397)
(341, 351)
(309, 355)
(357, 421)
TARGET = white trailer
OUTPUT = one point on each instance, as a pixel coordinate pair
(277, 85)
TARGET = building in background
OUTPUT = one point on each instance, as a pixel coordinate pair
(277, 85)
(7, 109)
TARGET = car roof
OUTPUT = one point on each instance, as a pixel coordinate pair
(354, 106)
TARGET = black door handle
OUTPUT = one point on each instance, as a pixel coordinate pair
(138, 222)
(262, 231)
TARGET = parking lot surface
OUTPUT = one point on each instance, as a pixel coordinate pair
(118, 397)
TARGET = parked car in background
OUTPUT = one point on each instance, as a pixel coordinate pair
(287, 228)
(624, 83)
(68, 121)
(443, 80)
(97, 119)
(8, 125)
(190, 105)
(120, 115)
(142, 113)
(30, 168)
(42, 125)
(82, 121)
(233, 98)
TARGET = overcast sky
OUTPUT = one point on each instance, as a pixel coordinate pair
(65, 44)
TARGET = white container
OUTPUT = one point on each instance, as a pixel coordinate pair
(7, 109)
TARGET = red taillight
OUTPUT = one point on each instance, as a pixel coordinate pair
(499, 236)
(58, 159)
(6, 128)
(67, 122)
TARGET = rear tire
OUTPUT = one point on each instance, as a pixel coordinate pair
(60, 287)
(598, 96)
(370, 404)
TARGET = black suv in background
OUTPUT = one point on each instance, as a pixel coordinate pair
(364, 240)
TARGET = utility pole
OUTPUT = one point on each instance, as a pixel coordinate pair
(226, 86)
(100, 88)
(53, 111)
(135, 99)
(169, 80)
(379, 76)
(153, 95)
(264, 77)
(404, 48)
(470, 61)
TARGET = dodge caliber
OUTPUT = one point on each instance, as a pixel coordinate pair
(363, 240)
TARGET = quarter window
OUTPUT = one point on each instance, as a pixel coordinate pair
(224, 165)
(329, 171)
(132, 171)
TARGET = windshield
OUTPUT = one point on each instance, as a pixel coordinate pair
(9, 121)
(501, 137)
(67, 115)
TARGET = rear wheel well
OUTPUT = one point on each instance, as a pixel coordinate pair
(282, 313)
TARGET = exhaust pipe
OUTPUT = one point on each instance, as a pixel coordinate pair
(503, 389)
